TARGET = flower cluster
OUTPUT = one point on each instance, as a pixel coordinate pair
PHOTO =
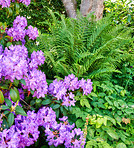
(64, 89)
(37, 58)
(6, 3)
(26, 2)
(15, 64)
(18, 31)
(25, 131)
(32, 32)
(36, 81)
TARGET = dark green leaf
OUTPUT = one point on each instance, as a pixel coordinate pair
(79, 123)
(4, 107)
(47, 101)
(8, 102)
(16, 82)
(57, 112)
(10, 119)
(6, 112)
(19, 110)
(23, 81)
(5, 86)
(56, 106)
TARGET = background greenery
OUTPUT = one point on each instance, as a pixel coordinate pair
(102, 51)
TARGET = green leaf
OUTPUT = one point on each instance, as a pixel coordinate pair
(47, 101)
(99, 122)
(4, 107)
(112, 133)
(19, 110)
(8, 102)
(56, 106)
(1, 97)
(5, 86)
(17, 8)
(14, 95)
(121, 145)
(9, 44)
(23, 81)
(32, 92)
(93, 94)
(6, 112)
(79, 123)
(16, 82)
(111, 119)
(38, 101)
(84, 102)
(129, 18)
(10, 119)
(57, 112)
(32, 102)
(5, 124)
(101, 94)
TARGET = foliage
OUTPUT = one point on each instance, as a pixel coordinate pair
(123, 10)
(110, 110)
(36, 13)
(89, 49)
(126, 79)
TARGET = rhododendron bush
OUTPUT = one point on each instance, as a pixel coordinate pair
(28, 103)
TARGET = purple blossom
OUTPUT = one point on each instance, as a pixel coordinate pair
(32, 32)
(26, 2)
(17, 33)
(37, 58)
(25, 131)
(14, 64)
(5, 3)
(36, 81)
(20, 21)
(64, 89)
(86, 86)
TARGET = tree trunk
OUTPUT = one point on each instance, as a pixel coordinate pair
(88, 6)
(70, 6)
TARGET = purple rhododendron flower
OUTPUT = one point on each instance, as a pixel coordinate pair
(32, 32)
(5, 3)
(26, 2)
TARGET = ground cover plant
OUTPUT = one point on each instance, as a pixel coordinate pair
(72, 87)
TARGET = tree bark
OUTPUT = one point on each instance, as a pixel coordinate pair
(88, 6)
(70, 6)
